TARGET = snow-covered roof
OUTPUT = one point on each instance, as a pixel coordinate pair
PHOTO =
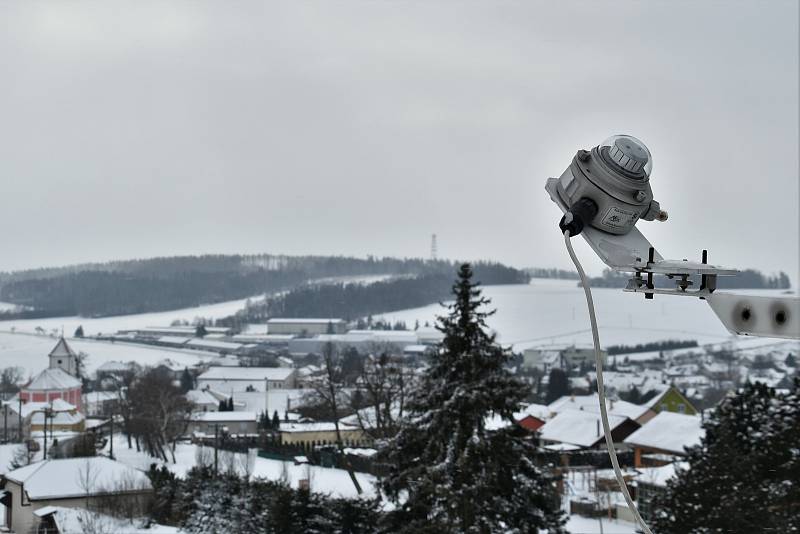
(293, 320)
(250, 374)
(77, 519)
(275, 399)
(659, 476)
(114, 367)
(77, 477)
(263, 338)
(62, 349)
(577, 427)
(221, 417)
(53, 379)
(540, 411)
(315, 427)
(200, 396)
(61, 418)
(212, 344)
(591, 403)
(99, 396)
(225, 361)
(668, 431)
(174, 340)
(29, 408)
(308, 370)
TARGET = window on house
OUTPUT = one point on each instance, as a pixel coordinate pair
(664, 407)
(681, 408)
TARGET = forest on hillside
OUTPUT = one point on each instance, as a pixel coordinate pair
(158, 284)
(352, 301)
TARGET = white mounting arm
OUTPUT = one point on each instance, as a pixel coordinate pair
(741, 314)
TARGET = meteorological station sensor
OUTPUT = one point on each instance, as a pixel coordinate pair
(603, 194)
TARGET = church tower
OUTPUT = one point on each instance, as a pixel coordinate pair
(63, 357)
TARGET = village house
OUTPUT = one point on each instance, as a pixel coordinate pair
(322, 433)
(305, 327)
(671, 400)
(641, 413)
(58, 381)
(230, 423)
(202, 400)
(583, 429)
(72, 483)
(233, 379)
(113, 370)
(664, 437)
(562, 357)
(100, 403)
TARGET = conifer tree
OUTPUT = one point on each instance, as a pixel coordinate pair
(743, 477)
(557, 385)
(187, 381)
(449, 473)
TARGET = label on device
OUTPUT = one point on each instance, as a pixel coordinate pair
(617, 218)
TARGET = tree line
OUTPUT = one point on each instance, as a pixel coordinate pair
(352, 301)
(159, 284)
(669, 344)
(746, 279)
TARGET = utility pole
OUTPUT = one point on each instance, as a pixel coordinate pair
(266, 396)
(216, 437)
(19, 413)
(5, 422)
(45, 434)
(111, 442)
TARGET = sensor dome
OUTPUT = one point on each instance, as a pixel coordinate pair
(628, 154)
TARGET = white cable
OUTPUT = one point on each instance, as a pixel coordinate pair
(601, 393)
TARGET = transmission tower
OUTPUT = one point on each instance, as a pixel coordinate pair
(433, 247)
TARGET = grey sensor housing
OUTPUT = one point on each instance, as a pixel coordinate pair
(615, 175)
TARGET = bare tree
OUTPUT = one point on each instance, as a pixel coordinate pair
(159, 412)
(383, 386)
(10, 377)
(327, 391)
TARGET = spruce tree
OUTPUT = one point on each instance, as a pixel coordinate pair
(557, 385)
(187, 381)
(743, 477)
(449, 473)
(276, 420)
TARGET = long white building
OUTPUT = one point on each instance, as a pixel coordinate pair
(305, 327)
(233, 379)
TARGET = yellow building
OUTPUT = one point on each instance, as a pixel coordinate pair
(312, 434)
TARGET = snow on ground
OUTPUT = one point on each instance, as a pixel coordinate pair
(7, 306)
(82, 520)
(550, 311)
(361, 280)
(334, 482)
(30, 352)
(586, 525)
(110, 325)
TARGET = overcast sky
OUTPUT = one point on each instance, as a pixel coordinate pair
(136, 129)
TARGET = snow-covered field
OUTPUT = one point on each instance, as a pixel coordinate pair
(30, 352)
(333, 482)
(554, 311)
(108, 325)
(586, 525)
